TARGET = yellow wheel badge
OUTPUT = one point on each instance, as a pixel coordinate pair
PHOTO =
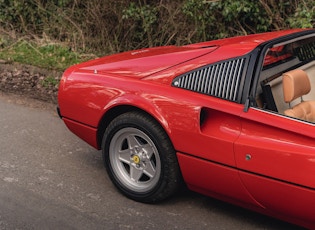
(136, 159)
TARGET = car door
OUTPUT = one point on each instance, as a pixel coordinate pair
(275, 156)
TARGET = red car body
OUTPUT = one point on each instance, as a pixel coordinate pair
(228, 146)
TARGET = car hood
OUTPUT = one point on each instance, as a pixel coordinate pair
(144, 62)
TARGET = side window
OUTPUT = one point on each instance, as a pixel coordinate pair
(223, 79)
(287, 79)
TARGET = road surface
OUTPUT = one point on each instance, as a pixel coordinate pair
(49, 179)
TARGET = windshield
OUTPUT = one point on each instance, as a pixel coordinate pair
(300, 51)
(283, 59)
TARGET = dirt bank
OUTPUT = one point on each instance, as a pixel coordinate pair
(29, 81)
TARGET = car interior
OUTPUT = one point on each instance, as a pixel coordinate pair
(287, 80)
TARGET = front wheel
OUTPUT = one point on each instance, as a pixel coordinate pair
(140, 158)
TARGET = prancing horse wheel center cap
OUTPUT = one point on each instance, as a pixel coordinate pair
(136, 159)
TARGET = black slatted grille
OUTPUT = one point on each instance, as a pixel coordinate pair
(306, 52)
(220, 80)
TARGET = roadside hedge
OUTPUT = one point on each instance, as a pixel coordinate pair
(108, 26)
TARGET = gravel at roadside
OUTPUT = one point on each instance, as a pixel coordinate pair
(29, 81)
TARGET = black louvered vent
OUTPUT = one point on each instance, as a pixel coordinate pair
(306, 52)
(219, 80)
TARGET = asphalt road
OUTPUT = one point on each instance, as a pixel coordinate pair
(49, 179)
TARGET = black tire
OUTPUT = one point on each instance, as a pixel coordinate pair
(140, 158)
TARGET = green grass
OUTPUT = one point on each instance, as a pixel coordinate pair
(47, 55)
(49, 81)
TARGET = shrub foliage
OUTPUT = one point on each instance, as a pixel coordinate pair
(108, 26)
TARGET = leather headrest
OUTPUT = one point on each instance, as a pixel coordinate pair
(295, 84)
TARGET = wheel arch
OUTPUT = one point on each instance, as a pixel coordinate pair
(117, 110)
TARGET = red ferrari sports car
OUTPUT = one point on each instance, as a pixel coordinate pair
(230, 118)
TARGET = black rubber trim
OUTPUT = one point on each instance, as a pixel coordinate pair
(58, 112)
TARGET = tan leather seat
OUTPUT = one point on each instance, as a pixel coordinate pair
(296, 84)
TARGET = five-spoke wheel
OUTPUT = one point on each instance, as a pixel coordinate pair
(140, 158)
